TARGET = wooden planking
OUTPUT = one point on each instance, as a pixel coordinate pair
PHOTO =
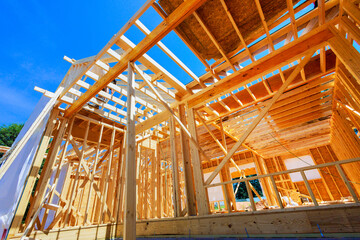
(257, 225)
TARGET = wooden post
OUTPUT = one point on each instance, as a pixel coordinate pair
(276, 192)
(152, 184)
(56, 178)
(252, 202)
(93, 174)
(226, 173)
(175, 169)
(201, 193)
(130, 172)
(265, 183)
(145, 182)
(348, 185)
(75, 187)
(122, 183)
(189, 183)
(107, 179)
(158, 181)
(139, 179)
(309, 188)
(226, 194)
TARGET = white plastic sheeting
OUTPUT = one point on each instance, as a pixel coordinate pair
(55, 198)
(304, 161)
(13, 181)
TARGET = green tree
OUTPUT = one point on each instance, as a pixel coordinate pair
(242, 191)
(8, 133)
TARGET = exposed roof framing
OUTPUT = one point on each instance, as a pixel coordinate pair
(233, 89)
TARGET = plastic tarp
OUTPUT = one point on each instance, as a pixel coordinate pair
(55, 199)
(13, 182)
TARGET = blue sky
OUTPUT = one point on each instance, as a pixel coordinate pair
(37, 34)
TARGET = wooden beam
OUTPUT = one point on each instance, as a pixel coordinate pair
(152, 65)
(290, 7)
(237, 30)
(168, 108)
(318, 166)
(341, 219)
(260, 116)
(251, 197)
(163, 14)
(188, 175)
(201, 193)
(167, 51)
(93, 173)
(308, 188)
(75, 187)
(352, 10)
(321, 6)
(278, 198)
(273, 61)
(174, 19)
(266, 64)
(348, 185)
(130, 172)
(213, 40)
(175, 169)
(346, 53)
(103, 51)
(266, 28)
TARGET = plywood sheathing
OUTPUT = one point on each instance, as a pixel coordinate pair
(213, 14)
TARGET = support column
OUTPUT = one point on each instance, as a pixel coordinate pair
(226, 175)
(130, 173)
(264, 182)
(175, 169)
(201, 193)
(188, 175)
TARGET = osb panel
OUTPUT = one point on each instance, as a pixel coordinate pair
(215, 18)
